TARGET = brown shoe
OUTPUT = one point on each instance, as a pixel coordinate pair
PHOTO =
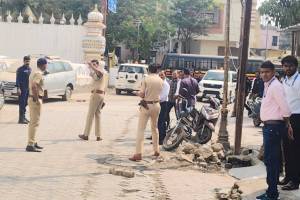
(83, 137)
(98, 139)
(136, 157)
(156, 154)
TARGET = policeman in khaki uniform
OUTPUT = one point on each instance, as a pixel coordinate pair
(35, 103)
(99, 85)
(150, 108)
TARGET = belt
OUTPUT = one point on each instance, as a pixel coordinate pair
(151, 102)
(98, 91)
(273, 122)
(40, 97)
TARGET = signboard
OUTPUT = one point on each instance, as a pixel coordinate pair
(112, 6)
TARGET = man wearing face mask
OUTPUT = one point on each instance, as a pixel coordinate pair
(22, 82)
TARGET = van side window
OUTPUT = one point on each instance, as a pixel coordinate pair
(123, 68)
(67, 66)
(59, 67)
(50, 68)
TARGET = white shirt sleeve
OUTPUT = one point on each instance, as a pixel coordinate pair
(165, 92)
(178, 87)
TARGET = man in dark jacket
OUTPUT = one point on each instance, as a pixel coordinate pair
(189, 88)
(22, 82)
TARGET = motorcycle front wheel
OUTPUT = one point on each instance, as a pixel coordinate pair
(173, 138)
(204, 136)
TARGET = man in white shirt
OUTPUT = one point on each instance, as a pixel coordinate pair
(162, 119)
(291, 84)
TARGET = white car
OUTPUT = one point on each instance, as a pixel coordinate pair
(130, 77)
(60, 79)
(212, 85)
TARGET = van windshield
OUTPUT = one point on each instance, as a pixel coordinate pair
(214, 76)
(131, 69)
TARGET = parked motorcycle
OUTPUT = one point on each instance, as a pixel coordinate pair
(194, 125)
(254, 105)
(1, 96)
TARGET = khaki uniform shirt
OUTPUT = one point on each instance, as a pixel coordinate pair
(36, 77)
(99, 83)
(152, 86)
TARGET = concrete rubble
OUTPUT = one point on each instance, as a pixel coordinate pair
(206, 157)
(233, 193)
(121, 172)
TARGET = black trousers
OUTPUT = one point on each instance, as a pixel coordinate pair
(23, 98)
(170, 105)
(162, 121)
(291, 149)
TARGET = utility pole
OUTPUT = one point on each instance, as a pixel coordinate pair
(242, 77)
(138, 22)
(223, 133)
(233, 114)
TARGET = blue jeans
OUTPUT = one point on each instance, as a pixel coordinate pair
(272, 135)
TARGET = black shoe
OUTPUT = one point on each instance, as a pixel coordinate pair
(37, 146)
(22, 121)
(290, 186)
(32, 149)
(26, 120)
(98, 139)
(83, 137)
(283, 181)
(262, 196)
(149, 138)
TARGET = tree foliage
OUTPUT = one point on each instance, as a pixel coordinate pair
(283, 12)
(159, 19)
(153, 29)
(190, 19)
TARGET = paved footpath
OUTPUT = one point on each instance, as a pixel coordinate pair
(69, 168)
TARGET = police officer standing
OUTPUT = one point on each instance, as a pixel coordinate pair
(152, 86)
(100, 79)
(22, 81)
(35, 103)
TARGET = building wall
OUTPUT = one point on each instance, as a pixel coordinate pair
(267, 37)
(19, 39)
(210, 44)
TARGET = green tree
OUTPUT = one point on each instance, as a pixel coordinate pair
(190, 19)
(154, 27)
(283, 12)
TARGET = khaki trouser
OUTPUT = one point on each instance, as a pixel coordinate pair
(34, 112)
(96, 102)
(145, 114)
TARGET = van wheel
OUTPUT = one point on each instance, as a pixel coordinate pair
(118, 91)
(68, 94)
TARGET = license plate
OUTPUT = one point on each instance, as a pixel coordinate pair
(211, 95)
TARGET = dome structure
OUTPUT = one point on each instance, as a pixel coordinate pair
(95, 15)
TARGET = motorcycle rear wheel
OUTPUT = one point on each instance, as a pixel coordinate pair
(205, 136)
(173, 138)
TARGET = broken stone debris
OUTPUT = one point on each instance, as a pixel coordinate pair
(233, 193)
(121, 172)
(206, 157)
(239, 160)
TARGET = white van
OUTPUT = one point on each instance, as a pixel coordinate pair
(60, 80)
(129, 77)
(212, 85)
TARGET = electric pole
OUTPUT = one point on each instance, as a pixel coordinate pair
(223, 133)
(242, 77)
